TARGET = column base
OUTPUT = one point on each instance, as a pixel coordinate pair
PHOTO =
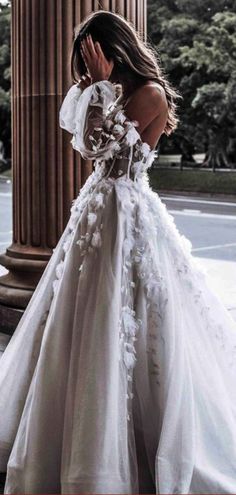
(24, 272)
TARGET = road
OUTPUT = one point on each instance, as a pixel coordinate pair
(209, 224)
(211, 227)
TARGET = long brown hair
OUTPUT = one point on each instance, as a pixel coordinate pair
(131, 55)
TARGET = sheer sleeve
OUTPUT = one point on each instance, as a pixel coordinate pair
(67, 113)
(97, 132)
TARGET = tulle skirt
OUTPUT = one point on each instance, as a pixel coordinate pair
(120, 377)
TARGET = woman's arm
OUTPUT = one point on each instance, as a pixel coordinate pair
(67, 112)
(97, 133)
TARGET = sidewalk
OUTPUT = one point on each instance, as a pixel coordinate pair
(222, 278)
(3, 270)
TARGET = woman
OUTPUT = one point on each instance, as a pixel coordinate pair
(120, 377)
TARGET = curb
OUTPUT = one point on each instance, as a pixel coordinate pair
(218, 196)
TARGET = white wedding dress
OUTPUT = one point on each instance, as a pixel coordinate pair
(120, 376)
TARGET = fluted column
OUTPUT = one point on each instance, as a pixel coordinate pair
(47, 172)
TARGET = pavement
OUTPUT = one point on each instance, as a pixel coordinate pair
(5, 213)
(222, 279)
(3, 270)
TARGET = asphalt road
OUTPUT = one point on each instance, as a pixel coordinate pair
(209, 224)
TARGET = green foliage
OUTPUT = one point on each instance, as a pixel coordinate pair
(5, 77)
(196, 43)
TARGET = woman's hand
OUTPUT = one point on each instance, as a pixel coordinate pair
(85, 81)
(98, 67)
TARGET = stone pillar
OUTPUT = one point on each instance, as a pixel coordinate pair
(47, 172)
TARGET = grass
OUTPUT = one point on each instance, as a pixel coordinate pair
(193, 181)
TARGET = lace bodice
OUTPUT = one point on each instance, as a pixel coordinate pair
(102, 131)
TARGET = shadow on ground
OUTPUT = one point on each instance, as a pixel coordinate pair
(2, 482)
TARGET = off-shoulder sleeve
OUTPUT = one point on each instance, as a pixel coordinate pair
(97, 133)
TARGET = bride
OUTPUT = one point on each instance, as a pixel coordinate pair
(120, 376)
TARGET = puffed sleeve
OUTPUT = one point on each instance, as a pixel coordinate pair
(97, 132)
(68, 108)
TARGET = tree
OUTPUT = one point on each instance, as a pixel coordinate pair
(196, 42)
(5, 78)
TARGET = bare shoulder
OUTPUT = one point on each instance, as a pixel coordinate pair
(148, 106)
(151, 95)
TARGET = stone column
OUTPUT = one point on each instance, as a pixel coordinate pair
(47, 172)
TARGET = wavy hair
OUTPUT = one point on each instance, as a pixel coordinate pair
(131, 55)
